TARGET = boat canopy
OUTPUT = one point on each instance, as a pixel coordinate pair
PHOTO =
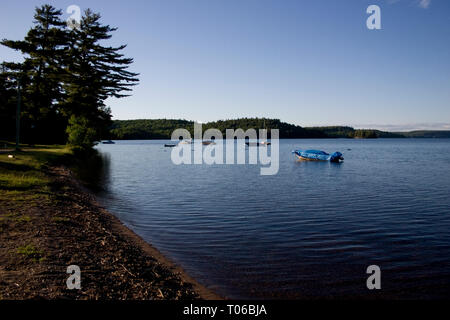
(316, 152)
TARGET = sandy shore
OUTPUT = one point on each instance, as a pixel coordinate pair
(41, 235)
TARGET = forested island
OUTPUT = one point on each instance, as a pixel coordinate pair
(163, 128)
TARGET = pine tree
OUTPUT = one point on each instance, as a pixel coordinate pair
(68, 75)
(96, 72)
(40, 74)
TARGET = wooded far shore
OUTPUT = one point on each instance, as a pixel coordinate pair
(162, 129)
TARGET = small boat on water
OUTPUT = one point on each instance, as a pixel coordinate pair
(108, 142)
(205, 143)
(168, 145)
(258, 144)
(318, 155)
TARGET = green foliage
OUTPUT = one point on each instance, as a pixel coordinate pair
(65, 72)
(147, 129)
(96, 73)
(287, 130)
(39, 76)
(163, 128)
(336, 131)
(81, 134)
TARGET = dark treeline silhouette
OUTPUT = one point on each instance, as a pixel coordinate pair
(163, 128)
(427, 134)
(65, 78)
(349, 132)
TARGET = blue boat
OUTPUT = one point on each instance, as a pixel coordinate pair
(317, 155)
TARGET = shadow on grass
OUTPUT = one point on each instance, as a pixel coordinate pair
(15, 167)
(11, 145)
(24, 171)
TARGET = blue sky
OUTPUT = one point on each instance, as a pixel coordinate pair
(304, 62)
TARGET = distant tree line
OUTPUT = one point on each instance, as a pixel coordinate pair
(163, 128)
(65, 77)
(437, 134)
(349, 132)
(147, 129)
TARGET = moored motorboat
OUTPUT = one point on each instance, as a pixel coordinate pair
(108, 142)
(318, 155)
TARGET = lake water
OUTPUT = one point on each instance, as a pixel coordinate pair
(310, 231)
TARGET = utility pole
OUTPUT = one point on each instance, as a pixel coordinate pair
(18, 115)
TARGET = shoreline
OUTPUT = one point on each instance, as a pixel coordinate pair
(46, 231)
(118, 226)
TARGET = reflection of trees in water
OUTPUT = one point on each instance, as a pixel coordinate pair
(94, 170)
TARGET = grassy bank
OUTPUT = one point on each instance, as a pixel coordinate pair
(48, 221)
(23, 173)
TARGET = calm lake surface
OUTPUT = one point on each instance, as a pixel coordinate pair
(309, 231)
